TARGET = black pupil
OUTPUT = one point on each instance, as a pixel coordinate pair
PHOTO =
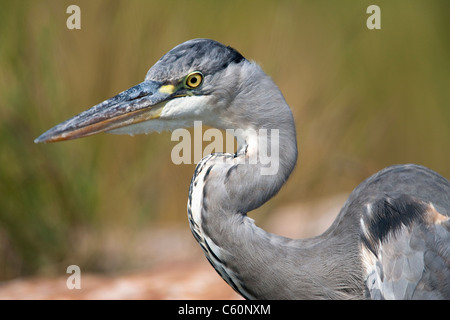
(193, 80)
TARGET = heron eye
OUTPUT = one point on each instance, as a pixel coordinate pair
(193, 80)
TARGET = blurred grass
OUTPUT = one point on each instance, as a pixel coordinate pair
(362, 100)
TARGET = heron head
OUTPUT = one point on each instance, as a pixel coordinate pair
(196, 80)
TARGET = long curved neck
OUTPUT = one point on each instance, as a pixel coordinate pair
(223, 189)
(227, 186)
(258, 264)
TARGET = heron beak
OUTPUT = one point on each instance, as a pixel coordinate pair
(142, 102)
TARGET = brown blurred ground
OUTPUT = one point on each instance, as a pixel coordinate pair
(183, 280)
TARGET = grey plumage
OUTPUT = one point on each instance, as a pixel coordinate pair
(390, 240)
(404, 222)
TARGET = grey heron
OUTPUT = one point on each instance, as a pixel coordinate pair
(391, 239)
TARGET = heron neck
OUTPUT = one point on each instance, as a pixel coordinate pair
(252, 261)
(227, 186)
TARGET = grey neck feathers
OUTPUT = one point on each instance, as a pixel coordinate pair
(225, 187)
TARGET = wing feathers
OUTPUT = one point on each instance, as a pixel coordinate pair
(405, 249)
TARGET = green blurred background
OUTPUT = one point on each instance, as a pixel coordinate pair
(362, 100)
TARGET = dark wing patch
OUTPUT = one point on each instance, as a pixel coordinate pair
(405, 249)
(386, 217)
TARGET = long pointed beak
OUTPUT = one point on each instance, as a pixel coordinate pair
(139, 103)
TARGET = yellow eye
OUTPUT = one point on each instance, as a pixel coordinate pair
(193, 80)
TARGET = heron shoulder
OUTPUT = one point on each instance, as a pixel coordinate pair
(405, 249)
(401, 215)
